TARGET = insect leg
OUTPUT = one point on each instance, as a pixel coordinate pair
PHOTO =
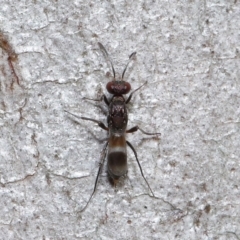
(99, 170)
(130, 96)
(135, 153)
(134, 129)
(100, 124)
(99, 100)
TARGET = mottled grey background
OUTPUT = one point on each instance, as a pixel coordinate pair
(188, 51)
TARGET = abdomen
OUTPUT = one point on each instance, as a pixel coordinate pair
(117, 157)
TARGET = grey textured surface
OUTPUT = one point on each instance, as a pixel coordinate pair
(188, 51)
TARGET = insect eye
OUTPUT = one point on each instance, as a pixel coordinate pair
(127, 87)
(110, 88)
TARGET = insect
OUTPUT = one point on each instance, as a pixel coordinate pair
(116, 145)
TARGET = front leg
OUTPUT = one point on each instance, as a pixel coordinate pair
(130, 96)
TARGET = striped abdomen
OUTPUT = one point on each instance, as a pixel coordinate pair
(117, 157)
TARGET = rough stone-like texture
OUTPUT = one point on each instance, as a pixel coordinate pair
(188, 51)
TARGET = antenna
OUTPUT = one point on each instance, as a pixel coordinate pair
(130, 58)
(107, 56)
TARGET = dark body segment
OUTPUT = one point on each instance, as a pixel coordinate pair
(117, 157)
(117, 118)
(117, 153)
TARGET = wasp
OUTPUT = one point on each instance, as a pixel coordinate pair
(116, 145)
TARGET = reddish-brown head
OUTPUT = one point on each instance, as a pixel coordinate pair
(118, 87)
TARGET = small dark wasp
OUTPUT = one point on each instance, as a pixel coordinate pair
(117, 123)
